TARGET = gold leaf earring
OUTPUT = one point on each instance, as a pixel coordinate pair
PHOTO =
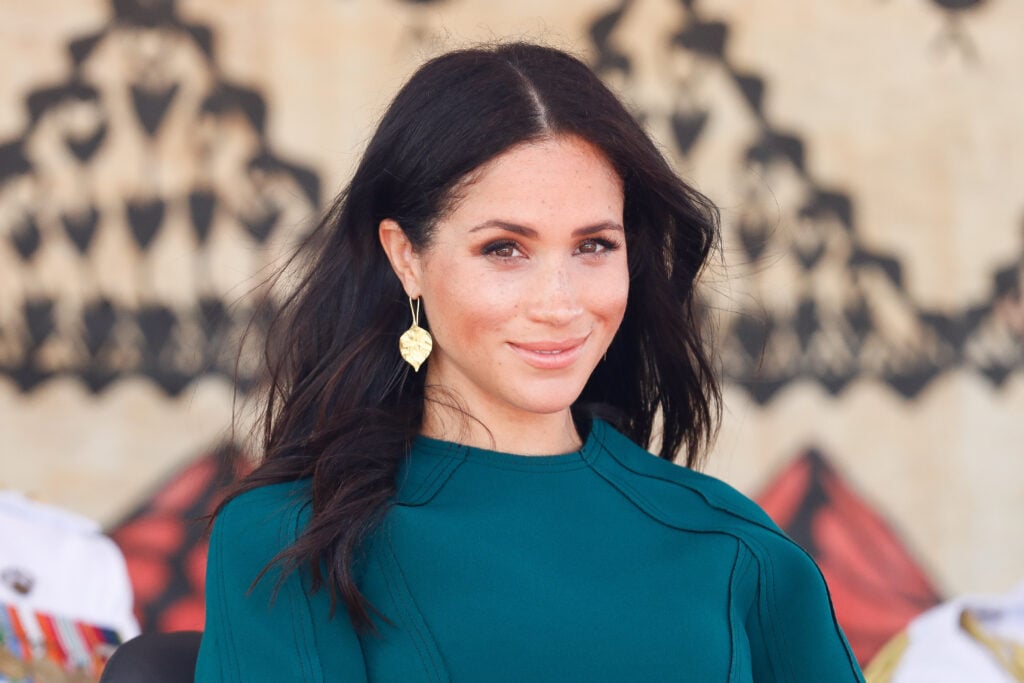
(415, 343)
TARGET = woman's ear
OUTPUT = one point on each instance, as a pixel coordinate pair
(403, 258)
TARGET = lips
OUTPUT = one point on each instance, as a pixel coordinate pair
(549, 355)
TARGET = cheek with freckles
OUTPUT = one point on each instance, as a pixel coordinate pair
(468, 312)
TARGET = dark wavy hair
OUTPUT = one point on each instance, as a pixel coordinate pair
(341, 407)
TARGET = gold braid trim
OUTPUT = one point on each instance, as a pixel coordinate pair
(1008, 654)
(883, 664)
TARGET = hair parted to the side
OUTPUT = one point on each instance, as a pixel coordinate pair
(342, 407)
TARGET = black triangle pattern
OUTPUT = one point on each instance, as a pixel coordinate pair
(837, 349)
(170, 343)
(151, 105)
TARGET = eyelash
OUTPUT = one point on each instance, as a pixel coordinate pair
(491, 249)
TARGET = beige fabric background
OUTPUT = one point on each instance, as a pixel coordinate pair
(913, 112)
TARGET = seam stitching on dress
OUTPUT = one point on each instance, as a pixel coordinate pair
(728, 612)
(287, 521)
(415, 634)
(710, 499)
(713, 502)
(427, 481)
(431, 643)
(401, 609)
(445, 468)
(767, 572)
(739, 536)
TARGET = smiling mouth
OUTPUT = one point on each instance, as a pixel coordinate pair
(551, 355)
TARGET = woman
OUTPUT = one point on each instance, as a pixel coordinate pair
(493, 515)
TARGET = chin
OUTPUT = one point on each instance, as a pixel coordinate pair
(550, 400)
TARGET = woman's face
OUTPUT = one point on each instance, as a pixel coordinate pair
(525, 282)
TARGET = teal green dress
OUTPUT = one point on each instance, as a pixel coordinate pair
(606, 564)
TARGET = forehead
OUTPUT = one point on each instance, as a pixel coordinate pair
(556, 179)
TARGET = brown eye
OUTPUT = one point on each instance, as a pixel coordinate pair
(596, 246)
(504, 249)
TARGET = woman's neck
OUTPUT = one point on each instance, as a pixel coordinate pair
(509, 432)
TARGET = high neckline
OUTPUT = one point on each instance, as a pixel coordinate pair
(432, 448)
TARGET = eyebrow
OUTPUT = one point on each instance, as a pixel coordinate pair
(530, 232)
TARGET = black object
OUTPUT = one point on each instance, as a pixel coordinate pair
(155, 658)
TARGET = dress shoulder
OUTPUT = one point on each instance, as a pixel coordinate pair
(687, 500)
(674, 493)
(791, 625)
(267, 502)
(252, 528)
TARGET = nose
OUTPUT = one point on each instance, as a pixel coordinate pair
(555, 296)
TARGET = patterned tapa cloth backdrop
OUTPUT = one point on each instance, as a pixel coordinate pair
(868, 297)
(822, 303)
(131, 178)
